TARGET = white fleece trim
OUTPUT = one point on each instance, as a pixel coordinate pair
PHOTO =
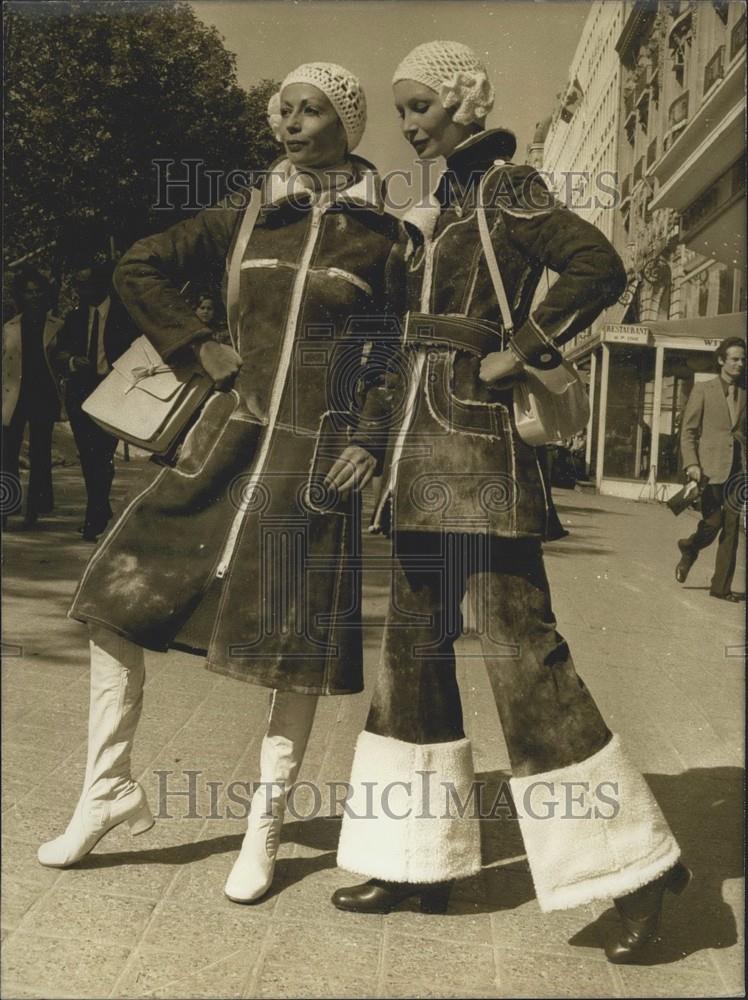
(282, 181)
(432, 843)
(574, 858)
(424, 215)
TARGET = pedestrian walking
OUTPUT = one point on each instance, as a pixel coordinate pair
(713, 452)
(31, 393)
(468, 510)
(93, 336)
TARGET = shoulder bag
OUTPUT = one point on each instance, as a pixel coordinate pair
(147, 401)
(550, 405)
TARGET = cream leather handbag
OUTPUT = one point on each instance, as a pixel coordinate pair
(148, 402)
(550, 405)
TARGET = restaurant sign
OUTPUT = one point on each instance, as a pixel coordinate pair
(626, 333)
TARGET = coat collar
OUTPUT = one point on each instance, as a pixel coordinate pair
(52, 324)
(478, 153)
(470, 161)
(279, 188)
(467, 164)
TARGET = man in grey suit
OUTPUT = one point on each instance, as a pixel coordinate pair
(713, 446)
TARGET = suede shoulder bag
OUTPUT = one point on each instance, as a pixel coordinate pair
(148, 402)
(550, 405)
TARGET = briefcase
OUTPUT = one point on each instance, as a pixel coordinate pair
(689, 496)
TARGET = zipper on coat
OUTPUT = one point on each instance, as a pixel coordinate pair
(278, 389)
(415, 380)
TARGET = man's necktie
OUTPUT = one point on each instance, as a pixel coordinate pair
(732, 402)
(93, 343)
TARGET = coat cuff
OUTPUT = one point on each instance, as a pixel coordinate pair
(533, 347)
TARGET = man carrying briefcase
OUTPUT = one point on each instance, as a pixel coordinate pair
(713, 445)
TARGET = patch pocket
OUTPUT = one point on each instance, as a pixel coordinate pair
(456, 414)
(205, 434)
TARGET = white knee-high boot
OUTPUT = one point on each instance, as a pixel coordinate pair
(289, 724)
(109, 796)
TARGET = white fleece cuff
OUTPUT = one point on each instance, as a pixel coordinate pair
(402, 822)
(592, 830)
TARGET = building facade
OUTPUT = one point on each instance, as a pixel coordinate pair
(578, 147)
(678, 225)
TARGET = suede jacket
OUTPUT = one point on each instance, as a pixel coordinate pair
(238, 551)
(455, 460)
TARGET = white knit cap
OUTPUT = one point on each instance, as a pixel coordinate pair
(457, 75)
(340, 86)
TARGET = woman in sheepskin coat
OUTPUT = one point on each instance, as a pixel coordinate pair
(468, 509)
(246, 551)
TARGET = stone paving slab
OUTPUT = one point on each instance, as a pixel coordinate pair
(147, 916)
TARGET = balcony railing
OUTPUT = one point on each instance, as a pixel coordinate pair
(714, 69)
(678, 113)
(737, 37)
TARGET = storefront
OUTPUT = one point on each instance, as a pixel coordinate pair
(639, 378)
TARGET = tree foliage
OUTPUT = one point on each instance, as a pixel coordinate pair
(95, 92)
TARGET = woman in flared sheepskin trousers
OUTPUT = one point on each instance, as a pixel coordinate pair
(465, 498)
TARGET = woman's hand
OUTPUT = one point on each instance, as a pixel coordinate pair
(499, 365)
(220, 362)
(352, 470)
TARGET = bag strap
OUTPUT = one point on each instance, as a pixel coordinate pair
(234, 264)
(493, 265)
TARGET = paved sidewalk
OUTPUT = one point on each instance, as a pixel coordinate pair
(147, 917)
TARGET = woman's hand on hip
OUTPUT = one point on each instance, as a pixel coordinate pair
(219, 361)
(499, 365)
(352, 470)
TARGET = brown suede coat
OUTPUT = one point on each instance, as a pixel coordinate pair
(455, 461)
(238, 551)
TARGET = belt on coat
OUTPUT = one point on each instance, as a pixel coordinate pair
(459, 333)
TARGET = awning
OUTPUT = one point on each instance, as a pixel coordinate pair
(710, 329)
(702, 327)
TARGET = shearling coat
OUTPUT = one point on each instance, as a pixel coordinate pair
(455, 460)
(238, 551)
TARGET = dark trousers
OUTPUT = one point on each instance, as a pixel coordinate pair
(548, 716)
(96, 452)
(39, 496)
(719, 516)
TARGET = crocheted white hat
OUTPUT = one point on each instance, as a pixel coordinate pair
(457, 75)
(343, 90)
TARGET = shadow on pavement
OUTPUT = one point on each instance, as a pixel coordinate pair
(704, 807)
(564, 508)
(177, 854)
(567, 547)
